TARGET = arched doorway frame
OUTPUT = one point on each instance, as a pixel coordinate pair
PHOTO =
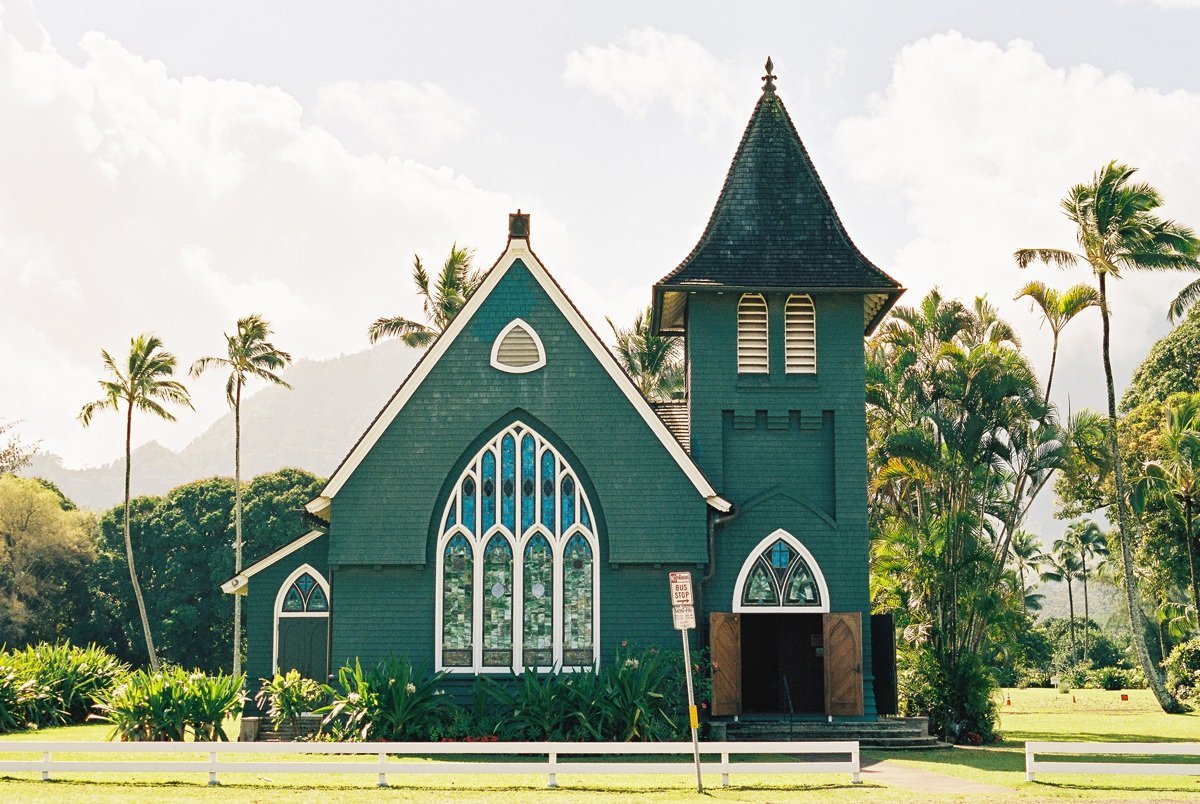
(818, 576)
(279, 612)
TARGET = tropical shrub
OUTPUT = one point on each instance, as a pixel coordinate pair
(23, 704)
(348, 715)
(286, 697)
(961, 706)
(535, 706)
(165, 705)
(408, 705)
(1183, 668)
(75, 678)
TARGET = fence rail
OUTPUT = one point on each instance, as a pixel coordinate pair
(209, 758)
(1034, 766)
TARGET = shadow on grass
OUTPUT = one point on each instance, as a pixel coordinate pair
(1111, 787)
(1017, 739)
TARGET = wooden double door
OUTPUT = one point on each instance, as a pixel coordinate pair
(786, 663)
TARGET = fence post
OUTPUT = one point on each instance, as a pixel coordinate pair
(856, 766)
(1028, 763)
(46, 771)
(382, 771)
(553, 765)
(212, 768)
(725, 770)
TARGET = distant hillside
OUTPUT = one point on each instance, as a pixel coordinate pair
(1103, 600)
(311, 426)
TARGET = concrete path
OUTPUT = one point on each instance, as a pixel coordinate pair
(918, 780)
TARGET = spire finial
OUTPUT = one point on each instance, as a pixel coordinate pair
(769, 78)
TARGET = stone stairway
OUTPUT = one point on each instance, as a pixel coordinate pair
(891, 732)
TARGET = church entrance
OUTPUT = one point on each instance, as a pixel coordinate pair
(783, 664)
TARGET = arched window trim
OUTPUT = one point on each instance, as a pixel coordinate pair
(744, 575)
(800, 334)
(279, 596)
(753, 348)
(537, 341)
(563, 469)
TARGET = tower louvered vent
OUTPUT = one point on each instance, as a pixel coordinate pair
(518, 349)
(800, 335)
(752, 351)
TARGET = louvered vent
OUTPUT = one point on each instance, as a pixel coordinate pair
(752, 335)
(800, 335)
(518, 349)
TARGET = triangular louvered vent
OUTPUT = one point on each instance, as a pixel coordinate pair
(752, 335)
(518, 349)
(800, 335)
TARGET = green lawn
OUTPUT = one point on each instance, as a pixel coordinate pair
(1032, 714)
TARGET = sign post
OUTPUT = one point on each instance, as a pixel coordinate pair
(683, 613)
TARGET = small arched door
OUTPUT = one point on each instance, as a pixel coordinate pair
(302, 624)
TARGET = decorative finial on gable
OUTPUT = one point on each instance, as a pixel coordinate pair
(769, 78)
(518, 225)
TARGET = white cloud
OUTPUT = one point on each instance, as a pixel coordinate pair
(649, 68)
(1169, 4)
(836, 59)
(398, 116)
(133, 200)
(980, 141)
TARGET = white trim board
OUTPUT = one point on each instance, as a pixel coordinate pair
(518, 249)
(238, 584)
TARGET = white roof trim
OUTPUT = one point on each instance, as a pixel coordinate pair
(518, 248)
(238, 584)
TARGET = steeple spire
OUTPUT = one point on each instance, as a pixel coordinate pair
(769, 78)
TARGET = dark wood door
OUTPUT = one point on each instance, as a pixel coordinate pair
(725, 638)
(843, 664)
(304, 646)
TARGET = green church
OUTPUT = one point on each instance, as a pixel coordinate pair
(517, 504)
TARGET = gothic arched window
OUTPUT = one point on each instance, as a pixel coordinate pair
(780, 575)
(518, 579)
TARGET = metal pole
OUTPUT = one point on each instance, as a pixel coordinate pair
(693, 718)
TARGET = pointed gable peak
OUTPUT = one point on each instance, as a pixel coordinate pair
(773, 226)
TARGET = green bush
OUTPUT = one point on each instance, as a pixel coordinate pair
(960, 702)
(348, 715)
(165, 705)
(286, 697)
(408, 705)
(74, 677)
(23, 704)
(1183, 668)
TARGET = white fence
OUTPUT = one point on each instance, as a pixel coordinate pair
(1034, 766)
(209, 758)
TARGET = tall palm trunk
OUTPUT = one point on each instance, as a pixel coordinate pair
(1071, 620)
(1190, 538)
(1087, 617)
(1165, 699)
(137, 588)
(1053, 361)
(237, 527)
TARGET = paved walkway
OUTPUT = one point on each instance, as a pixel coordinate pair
(918, 780)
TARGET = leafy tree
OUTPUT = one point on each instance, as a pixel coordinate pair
(1058, 308)
(1117, 230)
(145, 384)
(442, 301)
(1169, 368)
(654, 362)
(45, 548)
(14, 453)
(1062, 566)
(248, 354)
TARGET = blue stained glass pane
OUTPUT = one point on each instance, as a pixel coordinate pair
(528, 481)
(317, 601)
(306, 583)
(450, 521)
(508, 478)
(781, 556)
(489, 489)
(293, 601)
(568, 502)
(548, 489)
(468, 504)
(584, 516)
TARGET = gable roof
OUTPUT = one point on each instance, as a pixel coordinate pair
(238, 584)
(773, 227)
(517, 251)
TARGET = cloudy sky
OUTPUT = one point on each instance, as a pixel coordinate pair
(169, 167)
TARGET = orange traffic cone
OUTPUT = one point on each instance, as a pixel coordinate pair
(1007, 700)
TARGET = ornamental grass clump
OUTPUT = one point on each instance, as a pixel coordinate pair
(74, 677)
(168, 704)
(23, 704)
(286, 697)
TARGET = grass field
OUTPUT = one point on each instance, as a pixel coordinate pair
(1029, 714)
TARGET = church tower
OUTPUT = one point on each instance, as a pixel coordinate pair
(774, 302)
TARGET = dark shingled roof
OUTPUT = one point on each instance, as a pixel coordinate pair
(773, 227)
(675, 416)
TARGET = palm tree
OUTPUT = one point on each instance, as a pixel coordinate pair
(1058, 308)
(248, 354)
(145, 384)
(1063, 565)
(1117, 230)
(1175, 477)
(442, 302)
(1090, 542)
(654, 362)
(1027, 557)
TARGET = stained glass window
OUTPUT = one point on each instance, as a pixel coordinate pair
(497, 603)
(521, 495)
(539, 603)
(317, 600)
(457, 584)
(577, 602)
(304, 594)
(293, 601)
(781, 577)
